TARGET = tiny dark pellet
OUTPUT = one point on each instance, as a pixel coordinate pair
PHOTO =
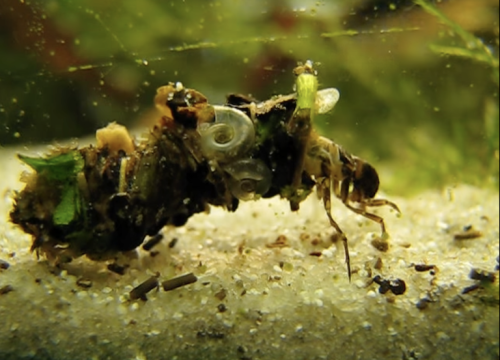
(152, 242)
(140, 291)
(179, 281)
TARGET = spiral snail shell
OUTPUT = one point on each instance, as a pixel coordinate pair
(249, 178)
(230, 137)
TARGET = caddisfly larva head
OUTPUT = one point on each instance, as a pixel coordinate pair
(307, 68)
(249, 178)
(229, 137)
(365, 181)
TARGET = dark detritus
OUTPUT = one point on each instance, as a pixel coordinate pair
(397, 286)
(179, 281)
(152, 242)
(140, 291)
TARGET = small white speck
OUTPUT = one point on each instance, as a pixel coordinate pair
(318, 302)
(178, 86)
(319, 292)
(177, 316)
(359, 283)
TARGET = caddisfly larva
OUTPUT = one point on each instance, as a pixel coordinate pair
(99, 201)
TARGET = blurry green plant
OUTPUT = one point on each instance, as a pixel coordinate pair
(430, 120)
(472, 47)
(458, 154)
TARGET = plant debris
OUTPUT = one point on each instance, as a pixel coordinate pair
(482, 275)
(173, 242)
(280, 242)
(117, 269)
(4, 265)
(468, 233)
(179, 281)
(140, 291)
(152, 242)
(397, 286)
(380, 244)
(424, 267)
(84, 283)
(6, 289)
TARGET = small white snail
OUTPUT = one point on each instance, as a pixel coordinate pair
(249, 178)
(230, 137)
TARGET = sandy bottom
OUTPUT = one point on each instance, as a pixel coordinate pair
(255, 300)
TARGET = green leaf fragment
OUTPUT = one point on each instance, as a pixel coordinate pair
(62, 169)
(66, 211)
(56, 167)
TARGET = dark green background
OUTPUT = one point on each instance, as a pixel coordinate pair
(424, 118)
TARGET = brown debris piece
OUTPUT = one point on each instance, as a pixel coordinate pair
(423, 303)
(380, 244)
(4, 265)
(117, 269)
(397, 286)
(173, 242)
(424, 267)
(378, 264)
(471, 288)
(152, 242)
(6, 289)
(280, 242)
(140, 291)
(221, 295)
(179, 281)
(482, 275)
(84, 283)
(304, 237)
(211, 333)
(468, 233)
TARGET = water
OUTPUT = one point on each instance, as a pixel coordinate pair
(418, 100)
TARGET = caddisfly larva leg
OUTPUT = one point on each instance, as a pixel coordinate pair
(368, 215)
(327, 203)
(373, 217)
(381, 202)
